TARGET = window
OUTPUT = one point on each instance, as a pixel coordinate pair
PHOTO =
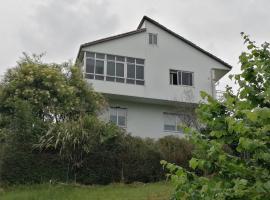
(118, 116)
(173, 77)
(187, 78)
(172, 122)
(95, 64)
(112, 68)
(135, 71)
(152, 38)
(181, 78)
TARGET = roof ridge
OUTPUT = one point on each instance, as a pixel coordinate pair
(182, 38)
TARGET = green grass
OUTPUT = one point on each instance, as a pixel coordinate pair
(140, 191)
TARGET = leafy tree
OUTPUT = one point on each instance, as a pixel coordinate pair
(36, 98)
(231, 159)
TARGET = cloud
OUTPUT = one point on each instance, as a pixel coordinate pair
(59, 27)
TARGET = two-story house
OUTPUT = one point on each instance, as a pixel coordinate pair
(151, 76)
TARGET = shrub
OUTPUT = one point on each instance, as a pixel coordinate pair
(175, 150)
(140, 160)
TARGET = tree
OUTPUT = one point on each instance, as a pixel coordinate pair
(37, 98)
(231, 159)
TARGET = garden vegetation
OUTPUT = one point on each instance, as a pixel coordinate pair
(50, 131)
(231, 159)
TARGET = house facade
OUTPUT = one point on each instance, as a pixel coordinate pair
(152, 77)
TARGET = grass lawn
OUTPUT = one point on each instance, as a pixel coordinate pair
(139, 191)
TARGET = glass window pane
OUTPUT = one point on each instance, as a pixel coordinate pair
(120, 58)
(173, 77)
(120, 69)
(113, 115)
(131, 60)
(100, 55)
(99, 77)
(169, 127)
(131, 81)
(120, 80)
(191, 79)
(150, 38)
(186, 78)
(110, 79)
(130, 70)
(179, 77)
(89, 76)
(154, 38)
(121, 121)
(139, 72)
(179, 123)
(110, 57)
(169, 122)
(138, 82)
(99, 67)
(90, 65)
(90, 54)
(140, 61)
(121, 117)
(111, 68)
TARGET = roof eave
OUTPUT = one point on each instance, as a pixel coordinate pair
(109, 39)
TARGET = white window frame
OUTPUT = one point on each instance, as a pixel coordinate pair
(135, 75)
(124, 62)
(95, 59)
(180, 81)
(177, 122)
(152, 35)
(115, 62)
(117, 114)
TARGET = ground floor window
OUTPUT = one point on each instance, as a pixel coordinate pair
(118, 116)
(172, 122)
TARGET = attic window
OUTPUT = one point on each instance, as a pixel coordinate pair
(152, 38)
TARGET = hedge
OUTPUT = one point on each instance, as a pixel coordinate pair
(135, 160)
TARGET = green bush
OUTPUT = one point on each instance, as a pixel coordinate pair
(175, 150)
(140, 160)
(126, 158)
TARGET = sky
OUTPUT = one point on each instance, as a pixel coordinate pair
(58, 27)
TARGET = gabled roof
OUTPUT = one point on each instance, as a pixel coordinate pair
(183, 39)
(140, 30)
(110, 38)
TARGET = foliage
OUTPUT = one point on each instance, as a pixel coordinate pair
(77, 138)
(49, 130)
(175, 150)
(232, 154)
(34, 97)
(140, 160)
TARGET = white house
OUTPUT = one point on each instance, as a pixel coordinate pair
(151, 76)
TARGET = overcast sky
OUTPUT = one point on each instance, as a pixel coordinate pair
(58, 27)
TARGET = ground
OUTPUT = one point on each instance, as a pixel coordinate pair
(136, 191)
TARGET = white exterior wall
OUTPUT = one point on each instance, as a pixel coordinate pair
(170, 53)
(143, 119)
(156, 96)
